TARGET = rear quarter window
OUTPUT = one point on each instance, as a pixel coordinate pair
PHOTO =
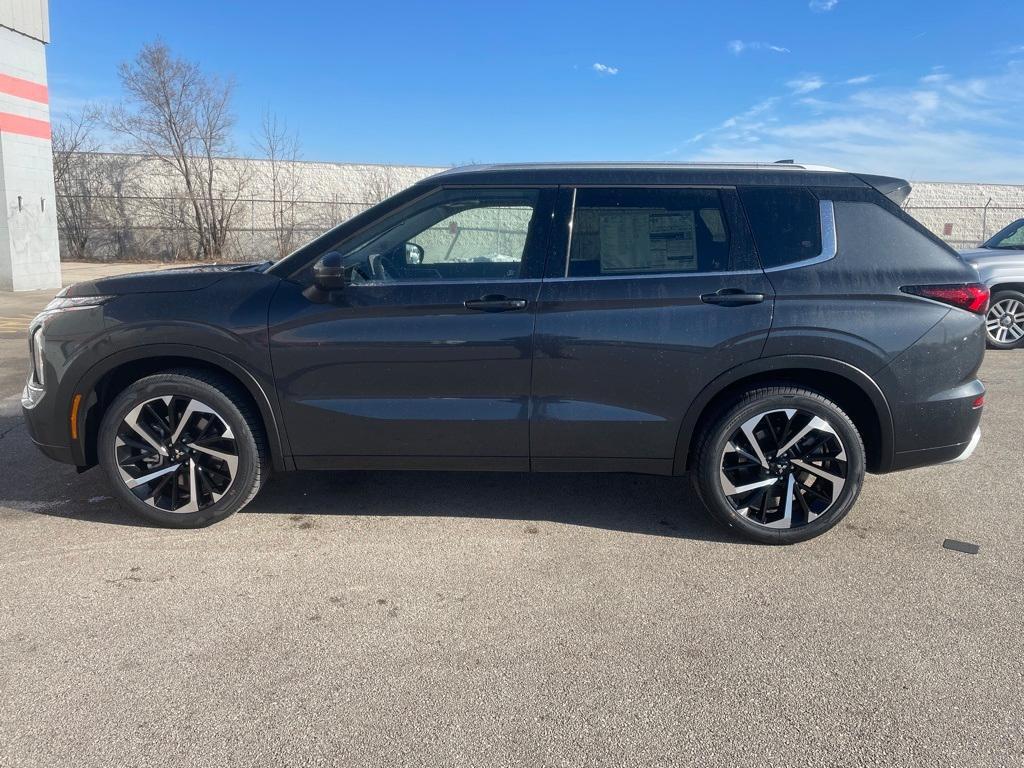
(785, 223)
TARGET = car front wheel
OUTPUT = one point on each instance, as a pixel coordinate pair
(781, 465)
(183, 448)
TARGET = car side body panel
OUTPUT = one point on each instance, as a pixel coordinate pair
(599, 374)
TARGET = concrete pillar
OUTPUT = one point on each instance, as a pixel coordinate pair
(29, 247)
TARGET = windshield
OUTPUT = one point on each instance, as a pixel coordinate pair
(1008, 238)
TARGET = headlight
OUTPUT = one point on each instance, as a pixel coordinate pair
(61, 303)
(37, 356)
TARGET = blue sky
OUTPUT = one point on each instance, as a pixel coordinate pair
(926, 90)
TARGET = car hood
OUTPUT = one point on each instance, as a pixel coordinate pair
(192, 278)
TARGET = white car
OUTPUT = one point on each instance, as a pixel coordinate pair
(1000, 263)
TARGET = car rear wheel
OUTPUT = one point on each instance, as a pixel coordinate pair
(781, 465)
(183, 448)
(1004, 322)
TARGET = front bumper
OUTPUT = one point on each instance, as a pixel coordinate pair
(41, 428)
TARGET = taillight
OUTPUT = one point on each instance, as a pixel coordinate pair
(970, 296)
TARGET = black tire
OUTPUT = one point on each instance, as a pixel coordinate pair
(1000, 300)
(231, 406)
(708, 471)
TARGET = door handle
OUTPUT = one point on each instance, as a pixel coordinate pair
(495, 303)
(732, 297)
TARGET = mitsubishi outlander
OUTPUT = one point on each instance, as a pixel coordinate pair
(775, 331)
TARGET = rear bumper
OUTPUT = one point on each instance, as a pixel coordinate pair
(966, 453)
(946, 454)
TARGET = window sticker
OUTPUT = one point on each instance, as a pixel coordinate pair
(646, 241)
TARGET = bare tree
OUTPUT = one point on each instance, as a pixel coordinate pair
(281, 150)
(380, 183)
(181, 116)
(75, 181)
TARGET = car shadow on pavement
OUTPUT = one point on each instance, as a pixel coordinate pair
(660, 506)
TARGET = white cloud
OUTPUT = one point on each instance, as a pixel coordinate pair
(954, 129)
(861, 80)
(604, 69)
(937, 77)
(822, 6)
(737, 47)
(806, 84)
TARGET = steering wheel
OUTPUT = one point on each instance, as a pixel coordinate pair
(377, 267)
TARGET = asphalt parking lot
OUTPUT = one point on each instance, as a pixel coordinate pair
(506, 619)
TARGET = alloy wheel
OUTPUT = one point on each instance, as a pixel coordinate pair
(783, 468)
(1005, 321)
(176, 454)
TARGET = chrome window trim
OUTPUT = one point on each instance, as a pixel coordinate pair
(464, 281)
(568, 240)
(829, 240)
(652, 275)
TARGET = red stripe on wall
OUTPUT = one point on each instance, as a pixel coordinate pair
(24, 89)
(26, 126)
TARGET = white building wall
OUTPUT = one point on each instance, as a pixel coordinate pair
(965, 214)
(30, 17)
(133, 193)
(29, 246)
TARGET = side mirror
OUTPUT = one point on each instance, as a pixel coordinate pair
(413, 254)
(331, 273)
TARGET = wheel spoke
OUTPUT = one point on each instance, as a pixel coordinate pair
(732, 447)
(133, 423)
(792, 474)
(786, 521)
(227, 458)
(802, 499)
(817, 423)
(160, 461)
(136, 482)
(748, 431)
(836, 480)
(736, 490)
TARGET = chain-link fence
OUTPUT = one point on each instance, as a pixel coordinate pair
(964, 226)
(150, 228)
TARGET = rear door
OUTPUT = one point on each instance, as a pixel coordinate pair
(650, 294)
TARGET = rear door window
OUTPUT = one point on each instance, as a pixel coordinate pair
(637, 231)
(785, 222)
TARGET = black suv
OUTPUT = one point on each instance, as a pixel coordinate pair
(775, 330)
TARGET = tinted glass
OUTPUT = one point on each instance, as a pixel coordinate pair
(1011, 238)
(785, 223)
(456, 235)
(625, 231)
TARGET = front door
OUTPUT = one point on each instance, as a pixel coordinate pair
(425, 358)
(659, 293)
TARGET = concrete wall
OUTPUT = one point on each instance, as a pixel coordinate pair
(957, 211)
(139, 212)
(29, 17)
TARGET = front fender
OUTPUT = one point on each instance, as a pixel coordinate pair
(263, 393)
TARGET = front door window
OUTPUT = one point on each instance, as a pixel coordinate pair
(459, 235)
